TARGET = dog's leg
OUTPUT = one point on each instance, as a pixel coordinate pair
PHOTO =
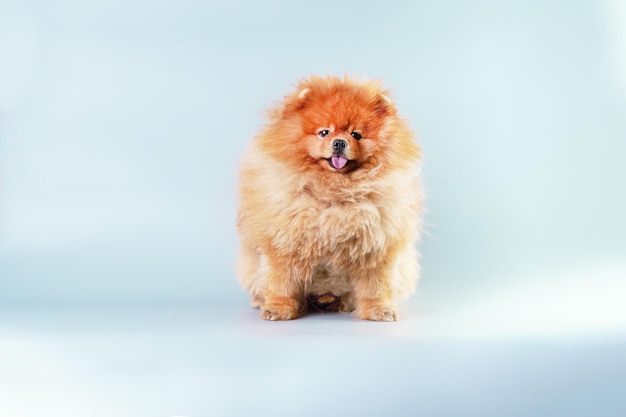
(283, 289)
(373, 292)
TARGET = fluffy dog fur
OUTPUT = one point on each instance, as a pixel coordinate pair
(330, 204)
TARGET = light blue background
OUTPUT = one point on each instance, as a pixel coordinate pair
(121, 126)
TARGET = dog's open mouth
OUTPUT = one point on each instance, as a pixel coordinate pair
(338, 161)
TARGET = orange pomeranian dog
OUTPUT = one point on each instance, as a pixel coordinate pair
(330, 204)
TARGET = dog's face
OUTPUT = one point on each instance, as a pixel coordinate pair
(341, 125)
(337, 126)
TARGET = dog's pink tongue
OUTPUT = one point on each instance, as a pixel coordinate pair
(339, 161)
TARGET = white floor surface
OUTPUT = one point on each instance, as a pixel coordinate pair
(220, 359)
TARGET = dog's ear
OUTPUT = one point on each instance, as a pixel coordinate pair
(303, 93)
(291, 104)
(383, 105)
(297, 101)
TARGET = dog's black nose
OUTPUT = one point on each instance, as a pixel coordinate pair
(339, 145)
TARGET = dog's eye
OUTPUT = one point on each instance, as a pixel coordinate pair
(323, 133)
(356, 135)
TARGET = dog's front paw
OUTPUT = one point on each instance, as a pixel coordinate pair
(279, 311)
(380, 312)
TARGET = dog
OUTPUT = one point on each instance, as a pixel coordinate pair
(330, 204)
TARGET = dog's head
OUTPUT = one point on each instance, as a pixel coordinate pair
(338, 126)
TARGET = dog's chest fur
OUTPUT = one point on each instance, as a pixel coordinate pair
(331, 231)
